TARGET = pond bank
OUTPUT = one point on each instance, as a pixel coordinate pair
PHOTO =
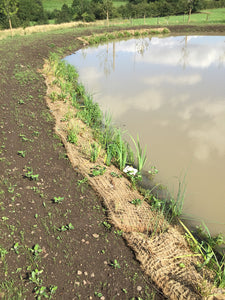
(137, 232)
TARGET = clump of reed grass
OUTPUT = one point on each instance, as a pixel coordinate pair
(140, 154)
(107, 130)
(72, 136)
(210, 249)
(90, 113)
(120, 150)
(95, 151)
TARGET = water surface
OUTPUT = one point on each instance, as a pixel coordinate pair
(170, 91)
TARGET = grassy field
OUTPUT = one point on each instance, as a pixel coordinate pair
(50, 5)
(210, 16)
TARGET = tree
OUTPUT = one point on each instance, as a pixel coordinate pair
(193, 6)
(64, 15)
(181, 7)
(9, 8)
(107, 6)
(31, 10)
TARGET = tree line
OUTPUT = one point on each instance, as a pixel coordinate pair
(17, 13)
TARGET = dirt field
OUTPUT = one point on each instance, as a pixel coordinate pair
(44, 244)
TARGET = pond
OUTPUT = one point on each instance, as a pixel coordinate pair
(171, 92)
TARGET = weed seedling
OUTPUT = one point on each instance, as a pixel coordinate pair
(53, 96)
(36, 133)
(41, 291)
(29, 174)
(53, 289)
(21, 153)
(98, 294)
(115, 264)
(58, 199)
(3, 252)
(113, 174)
(66, 227)
(25, 139)
(16, 247)
(98, 170)
(136, 202)
(21, 101)
(36, 250)
(118, 232)
(35, 277)
(134, 179)
(107, 225)
(11, 188)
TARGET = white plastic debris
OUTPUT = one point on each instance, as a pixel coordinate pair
(130, 170)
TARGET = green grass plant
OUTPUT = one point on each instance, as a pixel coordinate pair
(95, 151)
(171, 207)
(24, 74)
(3, 252)
(9, 289)
(110, 153)
(134, 179)
(72, 136)
(107, 130)
(121, 150)
(90, 113)
(140, 154)
(210, 249)
(82, 181)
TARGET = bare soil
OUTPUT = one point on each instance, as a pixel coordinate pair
(88, 260)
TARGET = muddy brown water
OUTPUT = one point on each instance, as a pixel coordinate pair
(171, 92)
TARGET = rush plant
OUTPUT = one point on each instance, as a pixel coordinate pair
(140, 154)
(95, 151)
(120, 150)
